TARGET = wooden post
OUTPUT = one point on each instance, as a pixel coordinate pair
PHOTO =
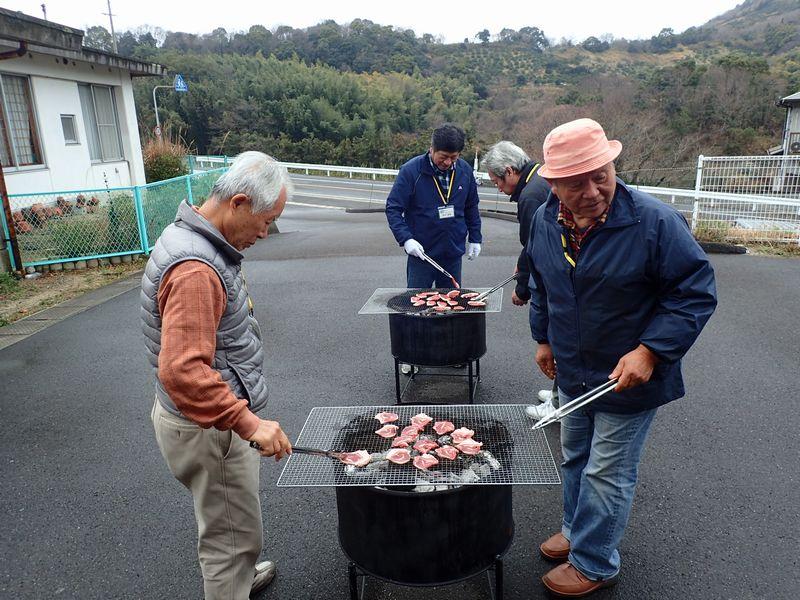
(12, 232)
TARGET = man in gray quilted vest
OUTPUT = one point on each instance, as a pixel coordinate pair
(206, 350)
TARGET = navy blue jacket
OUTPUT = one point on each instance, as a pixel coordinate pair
(640, 278)
(529, 195)
(412, 209)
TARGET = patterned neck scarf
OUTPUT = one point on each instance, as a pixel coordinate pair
(575, 235)
(442, 176)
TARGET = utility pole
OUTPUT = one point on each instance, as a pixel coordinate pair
(111, 21)
(44, 12)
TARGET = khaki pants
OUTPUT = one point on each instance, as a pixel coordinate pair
(221, 471)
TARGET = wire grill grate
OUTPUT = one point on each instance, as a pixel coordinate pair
(523, 455)
(396, 300)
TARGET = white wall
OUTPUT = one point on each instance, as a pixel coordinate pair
(68, 167)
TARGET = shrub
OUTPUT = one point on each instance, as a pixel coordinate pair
(164, 158)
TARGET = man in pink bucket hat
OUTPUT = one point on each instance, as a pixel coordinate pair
(619, 290)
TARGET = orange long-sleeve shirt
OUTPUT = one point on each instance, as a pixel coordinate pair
(191, 300)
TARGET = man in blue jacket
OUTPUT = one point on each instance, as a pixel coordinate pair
(433, 209)
(619, 289)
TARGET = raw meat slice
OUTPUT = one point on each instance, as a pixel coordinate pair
(453, 294)
(431, 303)
(420, 420)
(423, 446)
(419, 303)
(442, 308)
(402, 441)
(441, 303)
(414, 299)
(359, 458)
(434, 296)
(398, 456)
(459, 308)
(410, 431)
(447, 452)
(476, 303)
(461, 434)
(452, 303)
(425, 461)
(470, 446)
(442, 427)
(386, 417)
(387, 431)
(469, 295)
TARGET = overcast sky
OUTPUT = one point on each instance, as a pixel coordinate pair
(631, 19)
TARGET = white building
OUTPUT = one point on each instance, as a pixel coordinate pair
(67, 116)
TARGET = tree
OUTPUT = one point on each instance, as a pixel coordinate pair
(98, 38)
(534, 38)
(592, 44)
(483, 36)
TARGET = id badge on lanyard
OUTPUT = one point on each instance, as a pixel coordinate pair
(447, 212)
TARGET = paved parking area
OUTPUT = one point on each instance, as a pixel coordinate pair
(89, 509)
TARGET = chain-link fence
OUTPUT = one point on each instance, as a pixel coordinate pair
(85, 224)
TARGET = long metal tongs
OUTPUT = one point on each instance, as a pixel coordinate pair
(577, 403)
(439, 268)
(312, 451)
(495, 288)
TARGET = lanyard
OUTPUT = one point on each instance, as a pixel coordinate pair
(533, 170)
(566, 254)
(449, 188)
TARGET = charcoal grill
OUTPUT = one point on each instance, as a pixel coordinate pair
(422, 337)
(415, 528)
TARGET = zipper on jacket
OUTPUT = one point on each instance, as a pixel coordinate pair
(573, 270)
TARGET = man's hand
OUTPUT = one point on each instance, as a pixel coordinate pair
(414, 248)
(517, 300)
(546, 361)
(635, 368)
(473, 251)
(271, 438)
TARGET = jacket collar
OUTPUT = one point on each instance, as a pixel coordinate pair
(427, 169)
(192, 219)
(523, 175)
(622, 212)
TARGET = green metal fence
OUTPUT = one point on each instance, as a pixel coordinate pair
(55, 227)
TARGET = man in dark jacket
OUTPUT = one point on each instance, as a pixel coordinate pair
(433, 209)
(619, 290)
(515, 174)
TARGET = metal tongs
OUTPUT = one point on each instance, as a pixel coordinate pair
(311, 451)
(577, 403)
(441, 270)
(483, 295)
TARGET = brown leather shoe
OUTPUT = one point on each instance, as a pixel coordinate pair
(565, 581)
(556, 547)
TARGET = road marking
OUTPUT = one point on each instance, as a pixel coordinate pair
(316, 205)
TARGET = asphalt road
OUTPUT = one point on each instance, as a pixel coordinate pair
(89, 510)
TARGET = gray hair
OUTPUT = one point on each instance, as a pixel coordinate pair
(502, 155)
(256, 175)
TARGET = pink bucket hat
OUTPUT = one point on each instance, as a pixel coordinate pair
(577, 147)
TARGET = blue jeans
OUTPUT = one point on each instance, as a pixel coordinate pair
(420, 274)
(601, 453)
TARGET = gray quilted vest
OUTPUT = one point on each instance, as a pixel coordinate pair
(239, 354)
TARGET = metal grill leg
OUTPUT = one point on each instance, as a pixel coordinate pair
(397, 380)
(471, 383)
(498, 578)
(353, 576)
(478, 369)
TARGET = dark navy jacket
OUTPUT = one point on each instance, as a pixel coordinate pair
(529, 195)
(640, 278)
(412, 209)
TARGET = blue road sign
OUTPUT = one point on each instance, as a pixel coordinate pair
(180, 84)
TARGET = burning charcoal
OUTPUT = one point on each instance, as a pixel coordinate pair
(489, 457)
(469, 476)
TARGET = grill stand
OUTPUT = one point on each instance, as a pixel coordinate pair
(473, 377)
(496, 591)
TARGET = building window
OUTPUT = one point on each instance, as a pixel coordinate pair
(19, 137)
(101, 123)
(68, 127)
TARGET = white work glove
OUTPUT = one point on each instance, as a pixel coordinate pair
(473, 251)
(414, 248)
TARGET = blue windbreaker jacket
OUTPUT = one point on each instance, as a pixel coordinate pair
(640, 278)
(412, 209)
